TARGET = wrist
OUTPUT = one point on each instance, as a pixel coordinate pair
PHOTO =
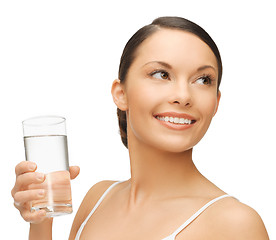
(42, 230)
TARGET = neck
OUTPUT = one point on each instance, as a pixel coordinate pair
(156, 174)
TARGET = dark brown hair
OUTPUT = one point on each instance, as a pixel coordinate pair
(145, 32)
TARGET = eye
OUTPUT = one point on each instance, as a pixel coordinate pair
(205, 80)
(160, 74)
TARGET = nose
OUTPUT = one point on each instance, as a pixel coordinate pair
(181, 94)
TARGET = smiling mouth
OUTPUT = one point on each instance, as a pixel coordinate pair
(175, 120)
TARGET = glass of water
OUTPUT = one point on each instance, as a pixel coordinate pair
(45, 141)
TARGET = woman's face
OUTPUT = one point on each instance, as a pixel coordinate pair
(171, 91)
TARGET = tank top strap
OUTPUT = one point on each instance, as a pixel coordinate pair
(194, 216)
(94, 209)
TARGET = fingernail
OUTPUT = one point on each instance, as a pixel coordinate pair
(42, 213)
(41, 192)
(32, 166)
(40, 176)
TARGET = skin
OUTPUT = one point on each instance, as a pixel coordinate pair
(165, 188)
(40, 225)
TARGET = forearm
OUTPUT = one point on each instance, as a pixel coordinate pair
(41, 231)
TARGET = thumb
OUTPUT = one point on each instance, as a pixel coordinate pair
(74, 171)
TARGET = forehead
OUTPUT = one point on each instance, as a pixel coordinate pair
(178, 48)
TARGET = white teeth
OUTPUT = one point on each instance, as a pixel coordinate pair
(175, 120)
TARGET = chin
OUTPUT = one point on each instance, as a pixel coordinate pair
(171, 147)
(176, 149)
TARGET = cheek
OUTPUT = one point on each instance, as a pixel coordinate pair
(142, 102)
(208, 108)
(137, 99)
(141, 99)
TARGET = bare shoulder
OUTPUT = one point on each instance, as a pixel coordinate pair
(238, 221)
(89, 201)
(94, 194)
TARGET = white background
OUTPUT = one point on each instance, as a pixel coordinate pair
(60, 57)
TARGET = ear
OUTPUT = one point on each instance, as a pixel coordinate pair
(119, 95)
(218, 99)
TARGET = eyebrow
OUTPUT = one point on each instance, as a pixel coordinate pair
(206, 66)
(170, 67)
(160, 63)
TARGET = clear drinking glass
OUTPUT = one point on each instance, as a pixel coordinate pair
(45, 141)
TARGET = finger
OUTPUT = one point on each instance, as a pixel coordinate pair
(24, 166)
(33, 217)
(74, 171)
(22, 197)
(24, 180)
(17, 204)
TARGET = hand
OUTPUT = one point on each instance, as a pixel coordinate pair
(74, 172)
(22, 195)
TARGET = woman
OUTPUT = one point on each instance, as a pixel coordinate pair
(167, 94)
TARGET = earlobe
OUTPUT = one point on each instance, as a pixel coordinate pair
(218, 99)
(119, 95)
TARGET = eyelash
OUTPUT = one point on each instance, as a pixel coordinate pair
(160, 71)
(206, 77)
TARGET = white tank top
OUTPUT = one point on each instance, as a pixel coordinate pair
(170, 237)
